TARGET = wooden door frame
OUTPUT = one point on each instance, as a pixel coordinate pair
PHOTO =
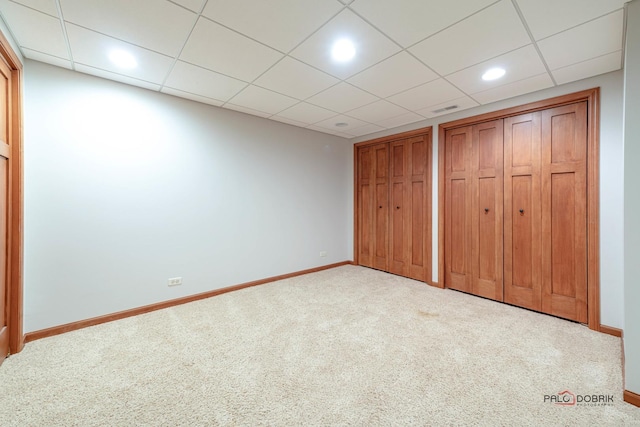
(428, 131)
(14, 200)
(592, 97)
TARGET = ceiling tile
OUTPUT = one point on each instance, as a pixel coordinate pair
(194, 5)
(595, 38)
(426, 95)
(191, 96)
(548, 17)
(91, 48)
(365, 130)
(519, 64)
(49, 59)
(288, 121)
(371, 45)
(35, 30)
(116, 77)
(489, 33)
(379, 110)
(593, 67)
(346, 1)
(404, 119)
(306, 113)
(140, 22)
(293, 78)
(346, 123)
(531, 84)
(203, 82)
(393, 75)
(257, 98)
(281, 24)
(329, 131)
(461, 104)
(246, 110)
(219, 49)
(342, 97)
(46, 6)
(409, 21)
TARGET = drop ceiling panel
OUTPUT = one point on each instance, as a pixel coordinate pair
(593, 67)
(219, 49)
(197, 80)
(393, 75)
(140, 22)
(426, 95)
(489, 33)
(294, 78)
(519, 64)
(531, 84)
(194, 5)
(247, 110)
(342, 97)
(306, 113)
(365, 130)
(404, 119)
(289, 121)
(595, 38)
(91, 48)
(329, 132)
(371, 45)
(116, 77)
(46, 6)
(461, 104)
(191, 96)
(264, 100)
(410, 21)
(345, 124)
(43, 57)
(379, 110)
(282, 24)
(548, 17)
(35, 30)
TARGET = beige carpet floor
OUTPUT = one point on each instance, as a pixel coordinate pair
(347, 346)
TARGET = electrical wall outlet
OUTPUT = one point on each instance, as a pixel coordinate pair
(323, 253)
(175, 281)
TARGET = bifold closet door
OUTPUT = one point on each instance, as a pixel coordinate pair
(373, 206)
(564, 211)
(522, 211)
(409, 207)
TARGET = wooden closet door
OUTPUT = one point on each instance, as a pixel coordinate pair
(373, 206)
(400, 219)
(486, 208)
(564, 211)
(458, 217)
(522, 215)
(418, 207)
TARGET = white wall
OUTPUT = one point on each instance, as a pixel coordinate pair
(125, 188)
(611, 180)
(632, 200)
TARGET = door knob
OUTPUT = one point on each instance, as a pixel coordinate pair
(486, 210)
(380, 207)
(397, 207)
(521, 212)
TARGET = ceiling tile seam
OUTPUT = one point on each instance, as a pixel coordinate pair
(65, 35)
(186, 91)
(186, 40)
(213, 71)
(113, 72)
(41, 52)
(387, 118)
(624, 33)
(186, 8)
(586, 60)
(375, 27)
(13, 36)
(115, 38)
(312, 123)
(533, 40)
(33, 8)
(316, 30)
(507, 84)
(453, 24)
(582, 23)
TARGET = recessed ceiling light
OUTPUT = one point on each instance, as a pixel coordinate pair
(493, 74)
(123, 59)
(343, 50)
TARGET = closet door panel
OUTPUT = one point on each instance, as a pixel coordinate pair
(487, 207)
(458, 215)
(366, 211)
(522, 217)
(419, 249)
(564, 211)
(399, 225)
